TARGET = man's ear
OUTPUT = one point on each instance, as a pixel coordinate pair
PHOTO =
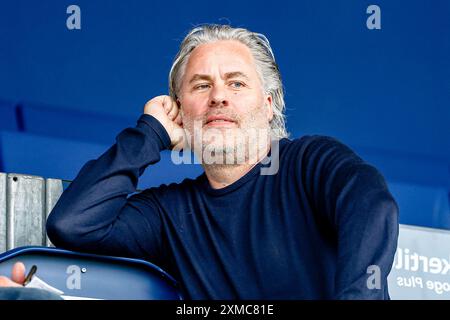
(177, 100)
(268, 104)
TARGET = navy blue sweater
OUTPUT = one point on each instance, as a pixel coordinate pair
(311, 231)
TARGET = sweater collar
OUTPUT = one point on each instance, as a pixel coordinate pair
(252, 173)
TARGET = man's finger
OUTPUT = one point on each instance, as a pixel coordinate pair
(18, 272)
(6, 282)
(167, 104)
(178, 119)
(174, 111)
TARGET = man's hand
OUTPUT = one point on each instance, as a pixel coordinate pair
(17, 276)
(167, 112)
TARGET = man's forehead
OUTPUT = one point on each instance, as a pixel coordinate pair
(222, 46)
(229, 57)
(226, 75)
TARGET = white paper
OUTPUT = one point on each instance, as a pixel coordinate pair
(41, 284)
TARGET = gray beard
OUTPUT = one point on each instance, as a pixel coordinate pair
(243, 147)
(234, 154)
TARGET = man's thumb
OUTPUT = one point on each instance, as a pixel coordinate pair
(18, 272)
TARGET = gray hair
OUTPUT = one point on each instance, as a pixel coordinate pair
(264, 59)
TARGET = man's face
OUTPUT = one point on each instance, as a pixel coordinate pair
(222, 98)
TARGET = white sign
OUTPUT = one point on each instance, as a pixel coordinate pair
(421, 269)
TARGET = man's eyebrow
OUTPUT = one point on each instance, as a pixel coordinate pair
(236, 74)
(197, 77)
(228, 75)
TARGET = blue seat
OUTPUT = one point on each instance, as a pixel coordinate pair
(89, 276)
(72, 124)
(45, 156)
(409, 168)
(422, 205)
(8, 119)
(62, 159)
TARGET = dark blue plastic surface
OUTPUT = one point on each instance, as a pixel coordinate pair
(102, 277)
(58, 158)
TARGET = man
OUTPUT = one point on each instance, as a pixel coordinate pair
(321, 224)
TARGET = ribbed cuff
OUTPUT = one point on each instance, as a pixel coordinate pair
(158, 128)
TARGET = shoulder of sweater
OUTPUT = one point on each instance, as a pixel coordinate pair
(311, 142)
(314, 150)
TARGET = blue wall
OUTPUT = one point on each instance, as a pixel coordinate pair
(386, 93)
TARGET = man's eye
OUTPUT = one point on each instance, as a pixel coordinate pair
(201, 86)
(237, 84)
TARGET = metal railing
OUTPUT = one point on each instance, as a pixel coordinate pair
(25, 202)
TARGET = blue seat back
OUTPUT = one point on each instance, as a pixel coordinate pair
(93, 276)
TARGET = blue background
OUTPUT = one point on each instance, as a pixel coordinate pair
(65, 94)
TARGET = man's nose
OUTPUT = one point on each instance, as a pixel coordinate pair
(218, 97)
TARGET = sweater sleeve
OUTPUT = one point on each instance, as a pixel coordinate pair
(352, 198)
(94, 214)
